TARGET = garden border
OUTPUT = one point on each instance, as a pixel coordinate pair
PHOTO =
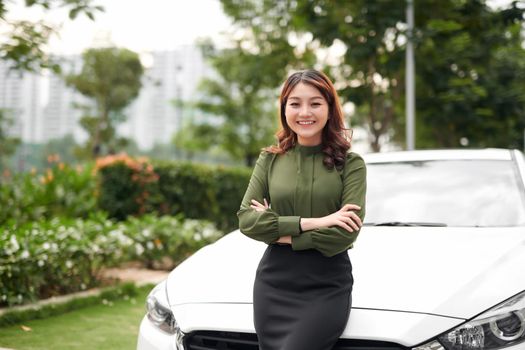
(130, 282)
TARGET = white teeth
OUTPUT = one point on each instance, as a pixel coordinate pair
(306, 123)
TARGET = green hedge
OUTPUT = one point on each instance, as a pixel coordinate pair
(131, 188)
(201, 192)
(58, 256)
(61, 190)
(123, 186)
(230, 186)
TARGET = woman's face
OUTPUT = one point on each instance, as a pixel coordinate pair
(306, 114)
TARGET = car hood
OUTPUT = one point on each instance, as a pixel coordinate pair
(453, 272)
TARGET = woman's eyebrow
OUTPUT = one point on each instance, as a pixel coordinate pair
(298, 98)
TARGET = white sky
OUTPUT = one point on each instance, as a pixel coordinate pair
(139, 25)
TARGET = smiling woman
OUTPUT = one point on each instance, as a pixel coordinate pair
(305, 200)
(440, 266)
(307, 114)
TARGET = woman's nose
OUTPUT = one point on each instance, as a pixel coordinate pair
(305, 111)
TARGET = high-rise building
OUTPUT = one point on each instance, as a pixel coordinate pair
(153, 117)
(20, 98)
(63, 111)
(172, 78)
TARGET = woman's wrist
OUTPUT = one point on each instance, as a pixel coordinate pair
(307, 224)
(284, 240)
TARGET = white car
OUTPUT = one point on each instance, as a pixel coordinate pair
(440, 264)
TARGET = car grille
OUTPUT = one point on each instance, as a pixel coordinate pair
(207, 340)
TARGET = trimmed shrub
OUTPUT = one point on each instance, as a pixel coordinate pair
(194, 190)
(47, 258)
(125, 185)
(230, 185)
(62, 190)
(188, 189)
(164, 242)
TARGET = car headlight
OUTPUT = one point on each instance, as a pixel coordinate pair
(500, 327)
(160, 314)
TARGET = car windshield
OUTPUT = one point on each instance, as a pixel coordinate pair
(448, 192)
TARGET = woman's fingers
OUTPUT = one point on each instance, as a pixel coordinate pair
(259, 206)
(345, 226)
(349, 221)
(356, 219)
(254, 201)
(352, 223)
(352, 215)
(350, 206)
(348, 210)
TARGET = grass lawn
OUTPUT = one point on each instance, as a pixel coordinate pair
(106, 326)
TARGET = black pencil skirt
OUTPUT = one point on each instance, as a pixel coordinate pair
(301, 299)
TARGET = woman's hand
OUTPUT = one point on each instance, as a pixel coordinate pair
(344, 217)
(259, 206)
(262, 207)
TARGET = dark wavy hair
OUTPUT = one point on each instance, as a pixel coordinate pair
(336, 138)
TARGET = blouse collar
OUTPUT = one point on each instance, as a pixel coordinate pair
(309, 150)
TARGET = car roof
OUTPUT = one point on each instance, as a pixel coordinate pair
(442, 154)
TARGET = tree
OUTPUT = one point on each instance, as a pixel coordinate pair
(369, 73)
(243, 95)
(462, 35)
(25, 41)
(164, 151)
(62, 147)
(193, 138)
(111, 77)
(472, 94)
(8, 144)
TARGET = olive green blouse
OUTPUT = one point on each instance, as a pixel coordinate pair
(297, 184)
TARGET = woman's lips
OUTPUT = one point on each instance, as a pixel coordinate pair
(305, 122)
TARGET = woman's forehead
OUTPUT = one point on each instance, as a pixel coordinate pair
(305, 91)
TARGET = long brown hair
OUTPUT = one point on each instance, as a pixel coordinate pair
(336, 140)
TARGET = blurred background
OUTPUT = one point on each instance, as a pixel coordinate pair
(199, 80)
(128, 129)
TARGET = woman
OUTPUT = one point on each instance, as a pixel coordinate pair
(305, 200)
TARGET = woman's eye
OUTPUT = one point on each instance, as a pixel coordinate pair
(294, 104)
(316, 104)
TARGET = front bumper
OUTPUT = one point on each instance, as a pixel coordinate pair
(152, 338)
(404, 328)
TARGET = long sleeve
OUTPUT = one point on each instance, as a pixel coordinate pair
(333, 240)
(266, 226)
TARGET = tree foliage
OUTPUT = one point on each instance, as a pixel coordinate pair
(370, 71)
(465, 55)
(8, 143)
(24, 45)
(111, 77)
(472, 92)
(243, 95)
(193, 138)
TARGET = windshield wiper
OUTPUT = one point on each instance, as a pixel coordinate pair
(399, 223)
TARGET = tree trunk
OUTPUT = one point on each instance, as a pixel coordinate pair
(102, 124)
(249, 159)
